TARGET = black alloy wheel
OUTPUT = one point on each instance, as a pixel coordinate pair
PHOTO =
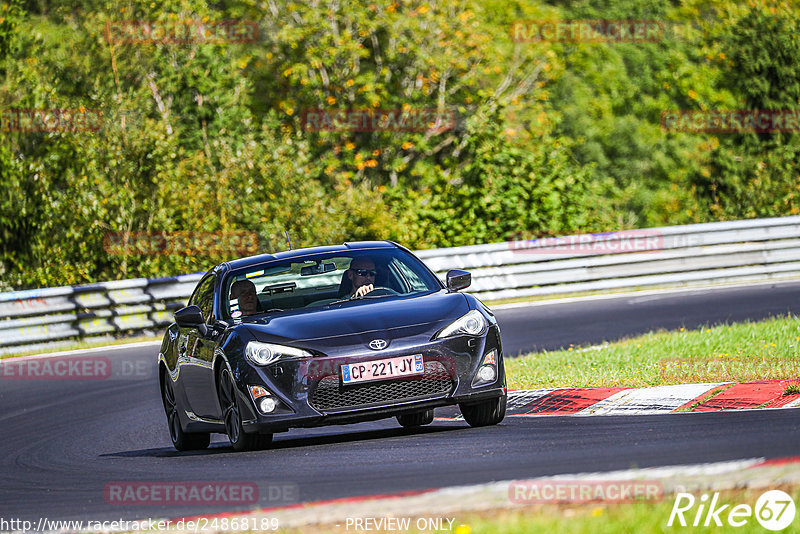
(182, 441)
(232, 416)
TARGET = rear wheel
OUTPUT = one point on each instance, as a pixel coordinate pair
(232, 415)
(485, 413)
(182, 441)
(411, 420)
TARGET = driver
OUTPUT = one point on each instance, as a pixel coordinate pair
(245, 292)
(362, 276)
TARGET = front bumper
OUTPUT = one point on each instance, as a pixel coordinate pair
(310, 393)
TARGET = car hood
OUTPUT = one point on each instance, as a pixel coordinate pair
(356, 323)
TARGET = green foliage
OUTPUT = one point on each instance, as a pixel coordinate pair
(10, 15)
(756, 174)
(549, 138)
(504, 190)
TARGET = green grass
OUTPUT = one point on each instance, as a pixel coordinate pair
(599, 518)
(792, 389)
(594, 517)
(739, 352)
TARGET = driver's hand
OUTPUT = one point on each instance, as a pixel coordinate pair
(363, 290)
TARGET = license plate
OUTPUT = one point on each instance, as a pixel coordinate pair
(382, 369)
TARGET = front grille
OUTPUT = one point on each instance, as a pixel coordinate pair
(330, 395)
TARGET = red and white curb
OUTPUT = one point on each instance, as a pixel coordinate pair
(646, 401)
(446, 504)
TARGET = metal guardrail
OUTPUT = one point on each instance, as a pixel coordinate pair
(43, 315)
(700, 254)
(736, 251)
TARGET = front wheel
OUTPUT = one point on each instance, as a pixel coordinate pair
(411, 420)
(485, 413)
(182, 441)
(232, 415)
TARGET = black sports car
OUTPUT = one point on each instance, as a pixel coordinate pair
(327, 335)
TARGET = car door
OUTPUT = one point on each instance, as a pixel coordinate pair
(195, 353)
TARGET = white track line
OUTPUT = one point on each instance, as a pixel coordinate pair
(707, 469)
(794, 404)
(83, 351)
(632, 294)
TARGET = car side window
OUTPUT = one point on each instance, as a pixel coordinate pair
(414, 282)
(203, 297)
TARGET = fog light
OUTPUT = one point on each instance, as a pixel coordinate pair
(487, 373)
(258, 391)
(267, 404)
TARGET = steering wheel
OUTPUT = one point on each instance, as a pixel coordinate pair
(379, 291)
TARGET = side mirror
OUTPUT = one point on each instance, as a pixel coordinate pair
(191, 317)
(458, 279)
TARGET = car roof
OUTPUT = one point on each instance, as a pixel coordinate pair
(299, 252)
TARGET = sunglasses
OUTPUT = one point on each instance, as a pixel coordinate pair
(365, 272)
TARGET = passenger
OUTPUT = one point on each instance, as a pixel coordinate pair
(245, 292)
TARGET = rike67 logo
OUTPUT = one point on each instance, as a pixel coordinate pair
(774, 510)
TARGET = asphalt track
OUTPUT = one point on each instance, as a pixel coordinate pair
(64, 441)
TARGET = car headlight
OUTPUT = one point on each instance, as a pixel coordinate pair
(472, 323)
(267, 353)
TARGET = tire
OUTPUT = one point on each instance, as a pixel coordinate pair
(182, 441)
(232, 415)
(411, 420)
(485, 413)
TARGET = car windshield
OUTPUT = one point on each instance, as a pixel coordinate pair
(326, 279)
